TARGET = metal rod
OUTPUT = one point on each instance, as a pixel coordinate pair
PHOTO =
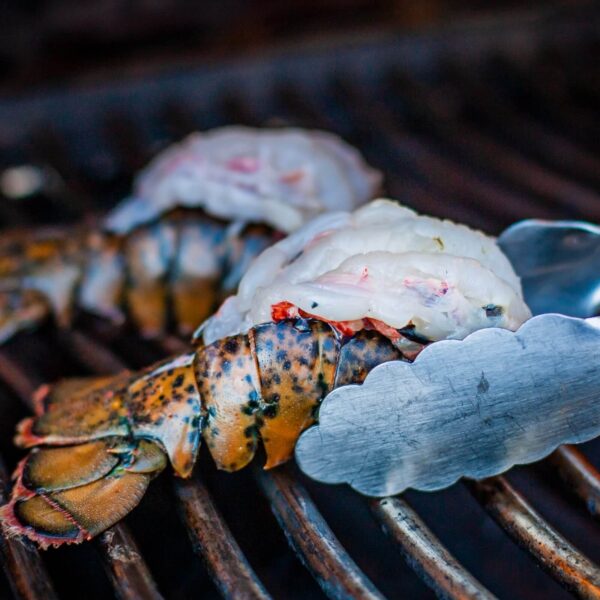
(310, 536)
(579, 475)
(171, 344)
(425, 553)
(21, 560)
(532, 86)
(125, 566)
(213, 541)
(126, 141)
(48, 146)
(208, 531)
(176, 119)
(525, 526)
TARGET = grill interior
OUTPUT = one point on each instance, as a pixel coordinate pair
(485, 124)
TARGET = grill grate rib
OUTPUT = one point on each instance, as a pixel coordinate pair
(485, 142)
(313, 540)
(579, 475)
(129, 574)
(213, 540)
(425, 552)
(491, 155)
(554, 554)
(486, 110)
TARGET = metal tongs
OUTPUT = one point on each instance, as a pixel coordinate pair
(476, 407)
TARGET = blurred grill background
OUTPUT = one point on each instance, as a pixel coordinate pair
(50, 40)
(484, 112)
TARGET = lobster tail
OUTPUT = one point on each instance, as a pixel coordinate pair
(98, 442)
(72, 493)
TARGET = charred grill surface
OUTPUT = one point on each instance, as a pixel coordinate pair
(485, 126)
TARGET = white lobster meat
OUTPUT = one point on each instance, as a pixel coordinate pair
(278, 177)
(385, 264)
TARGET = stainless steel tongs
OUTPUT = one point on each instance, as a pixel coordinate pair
(476, 407)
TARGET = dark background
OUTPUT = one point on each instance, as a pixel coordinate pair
(45, 41)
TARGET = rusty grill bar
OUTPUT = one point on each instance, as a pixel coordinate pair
(486, 139)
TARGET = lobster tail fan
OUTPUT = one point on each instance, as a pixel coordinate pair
(68, 494)
(97, 444)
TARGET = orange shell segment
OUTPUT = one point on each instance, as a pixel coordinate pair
(165, 406)
(63, 467)
(79, 410)
(230, 390)
(297, 367)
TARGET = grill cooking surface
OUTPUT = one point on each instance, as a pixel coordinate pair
(486, 125)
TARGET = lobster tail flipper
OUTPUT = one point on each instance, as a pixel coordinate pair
(97, 443)
(68, 494)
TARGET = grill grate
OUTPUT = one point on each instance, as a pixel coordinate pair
(486, 126)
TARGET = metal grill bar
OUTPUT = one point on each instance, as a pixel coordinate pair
(425, 553)
(527, 528)
(87, 352)
(579, 476)
(212, 539)
(48, 147)
(311, 537)
(533, 93)
(450, 176)
(17, 379)
(208, 531)
(129, 574)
